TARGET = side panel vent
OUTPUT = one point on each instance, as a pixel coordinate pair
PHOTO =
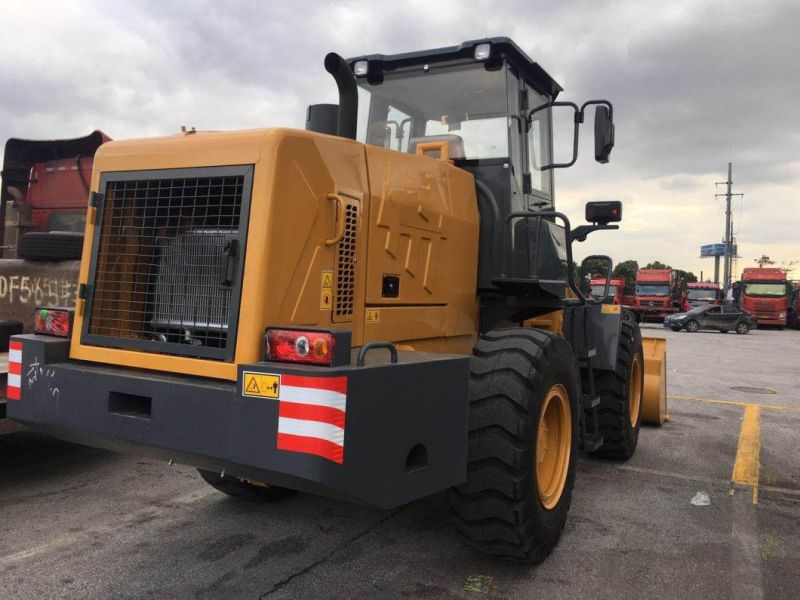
(344, 299)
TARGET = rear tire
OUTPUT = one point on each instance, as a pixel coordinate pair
(521, 463)
(55, 247)
(621, 394)
(241, 488)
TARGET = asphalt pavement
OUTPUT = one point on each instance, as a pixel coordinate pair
(77, 522)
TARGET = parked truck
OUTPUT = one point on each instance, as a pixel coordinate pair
(616, 289)
(659, 292)
(764, 293)
(343, 310)
(702, 293)
(45, 191)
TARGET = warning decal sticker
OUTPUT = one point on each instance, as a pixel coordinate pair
(326, 290)
(261, 385)
(610, 308)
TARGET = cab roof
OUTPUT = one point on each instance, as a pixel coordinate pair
(501, 47)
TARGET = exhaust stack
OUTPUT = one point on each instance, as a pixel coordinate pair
(348, 95)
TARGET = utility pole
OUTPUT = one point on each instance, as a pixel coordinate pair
(726, 277)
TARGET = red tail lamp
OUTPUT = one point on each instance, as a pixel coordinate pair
(53, 321)
(308, 346)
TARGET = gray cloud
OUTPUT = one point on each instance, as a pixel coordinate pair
(694, 85)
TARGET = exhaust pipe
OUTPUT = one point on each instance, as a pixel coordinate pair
(348, 94)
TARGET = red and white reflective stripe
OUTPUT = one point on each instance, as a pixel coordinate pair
(14, 370)
(311, 415)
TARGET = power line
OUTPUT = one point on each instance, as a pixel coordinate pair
(726, 278)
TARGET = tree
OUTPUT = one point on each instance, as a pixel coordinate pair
(656, 264)
(627, 270)
(686, 276)
(764, 261)
(597, 267)
(787, 266)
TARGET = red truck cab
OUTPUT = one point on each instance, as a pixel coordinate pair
(764, 293)
(702, 293)
(616, 287)
(44, 192)
(658, 294)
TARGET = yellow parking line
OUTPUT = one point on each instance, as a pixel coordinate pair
(737, 403)
(747, 464)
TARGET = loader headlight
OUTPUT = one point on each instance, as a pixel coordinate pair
(483, 51)
(360, 68)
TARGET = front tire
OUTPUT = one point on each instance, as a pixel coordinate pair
(523, 444)
(692, 326)
(742, 328)
(242, 488)
(621, 392)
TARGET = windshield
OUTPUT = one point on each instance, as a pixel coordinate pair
(597, 290)
(645, 289)
(700, 294)
(765, 289)
(467, 102)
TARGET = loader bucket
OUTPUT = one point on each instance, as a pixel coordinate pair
(654, 407)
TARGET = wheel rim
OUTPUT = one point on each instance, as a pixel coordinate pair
(553, 446)
(742, 327)
(635, 389)
(692, 326)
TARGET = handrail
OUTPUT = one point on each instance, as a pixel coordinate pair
(341, 208)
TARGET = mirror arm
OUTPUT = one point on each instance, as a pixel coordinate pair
(577, 120)
(579, 233)
(596, 102)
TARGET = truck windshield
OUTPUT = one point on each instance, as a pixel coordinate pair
(701, 294)
(649, 289)
(597, 290)
(765, 289)
(465, 101)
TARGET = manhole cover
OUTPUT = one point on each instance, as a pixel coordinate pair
(754, 390)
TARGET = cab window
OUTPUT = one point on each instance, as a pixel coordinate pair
(465, 102)
(539, 134)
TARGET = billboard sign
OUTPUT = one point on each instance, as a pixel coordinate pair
(716, 250)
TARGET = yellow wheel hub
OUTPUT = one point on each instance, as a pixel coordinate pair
(635, 389)
(553, 446)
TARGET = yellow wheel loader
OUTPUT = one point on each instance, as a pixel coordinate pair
(377, 308)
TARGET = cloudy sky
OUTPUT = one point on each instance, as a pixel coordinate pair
(695, 85)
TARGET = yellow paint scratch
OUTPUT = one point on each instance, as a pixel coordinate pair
(747, 464)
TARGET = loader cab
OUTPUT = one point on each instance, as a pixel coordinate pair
(490, 103)
(476, 97)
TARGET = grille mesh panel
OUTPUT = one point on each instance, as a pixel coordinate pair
(345, 265)
(158, 262)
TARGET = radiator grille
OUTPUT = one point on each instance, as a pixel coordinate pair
(345, 265)
(159, 270)
(186, 290)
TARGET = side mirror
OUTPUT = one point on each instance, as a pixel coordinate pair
(603, 134)
(605, 212)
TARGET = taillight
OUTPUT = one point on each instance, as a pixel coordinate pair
(309, 347)
(53, 321)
